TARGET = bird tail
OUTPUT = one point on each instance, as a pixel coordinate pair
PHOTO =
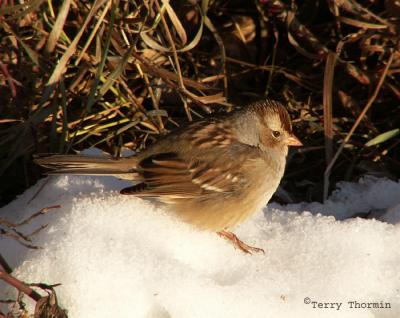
(124, 168)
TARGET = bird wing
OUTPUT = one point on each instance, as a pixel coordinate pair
(170, 176)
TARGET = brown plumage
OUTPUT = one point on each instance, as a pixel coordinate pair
(213, 173)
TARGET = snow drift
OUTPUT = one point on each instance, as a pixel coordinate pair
(119, 256)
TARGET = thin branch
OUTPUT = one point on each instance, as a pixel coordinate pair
(327, 103)
(22, 287)
(355, 125)
(176, 58)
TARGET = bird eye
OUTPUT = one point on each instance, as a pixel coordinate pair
(276, 133)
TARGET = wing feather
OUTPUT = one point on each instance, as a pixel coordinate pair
(169, 176)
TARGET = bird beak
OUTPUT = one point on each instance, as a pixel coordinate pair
(294, 141)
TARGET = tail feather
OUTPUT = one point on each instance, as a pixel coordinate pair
(124, 168)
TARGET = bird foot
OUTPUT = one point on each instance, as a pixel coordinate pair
(239, 244)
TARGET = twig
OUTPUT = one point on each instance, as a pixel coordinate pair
(22, 287)
(176, 58)
(10, 80)
(10, 229)
(4, 265)
(156, 71)
(355, 125)
(327, 103)
(27, 220)
(221, 45)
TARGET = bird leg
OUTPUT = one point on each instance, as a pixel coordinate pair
(238, 243)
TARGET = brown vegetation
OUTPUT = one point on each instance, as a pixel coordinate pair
(114, 74)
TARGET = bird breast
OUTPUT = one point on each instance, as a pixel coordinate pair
(216, 212)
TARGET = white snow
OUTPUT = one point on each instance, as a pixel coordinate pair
(119, 256)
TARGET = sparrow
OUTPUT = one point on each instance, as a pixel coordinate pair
(213, 173)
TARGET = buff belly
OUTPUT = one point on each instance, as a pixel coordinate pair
(224, 214)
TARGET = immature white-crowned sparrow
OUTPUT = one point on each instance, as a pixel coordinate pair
(213, 173)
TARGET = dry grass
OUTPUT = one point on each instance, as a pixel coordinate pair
(115, 74)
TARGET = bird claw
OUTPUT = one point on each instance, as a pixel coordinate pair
(240, 244)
